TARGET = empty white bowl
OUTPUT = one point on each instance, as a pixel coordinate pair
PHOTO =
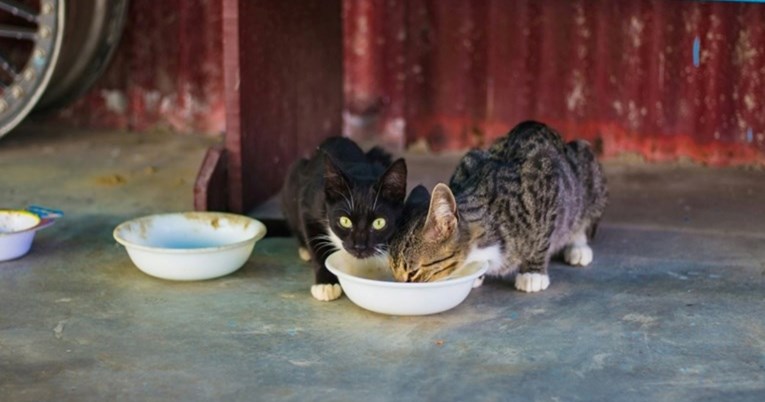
(17, 231)
(190, 246)
(370, 285)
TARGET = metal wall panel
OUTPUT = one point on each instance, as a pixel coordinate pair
(283, 84)
(662, 78)
(166, 73)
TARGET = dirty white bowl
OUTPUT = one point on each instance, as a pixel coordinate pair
(190, 246)
(369, 284)
(17, 231)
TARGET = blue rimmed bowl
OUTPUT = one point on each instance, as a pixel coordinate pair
(17, 231)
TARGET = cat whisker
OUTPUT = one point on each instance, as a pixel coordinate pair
(347, 187)
(323, 242)
(325, 246)
(323, 222)
(320, 245)
(345, 209)
(318, 242)
(348, 201)
(318, 238)
(377, 195)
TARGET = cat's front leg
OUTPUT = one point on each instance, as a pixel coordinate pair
(304, 254)
(577, 252)
(532, 276)
(326, 286)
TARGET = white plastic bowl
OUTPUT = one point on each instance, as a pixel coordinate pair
(17, 231)
(190, 246)
(370, 285)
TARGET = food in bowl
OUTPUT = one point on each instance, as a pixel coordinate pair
(17, 231)
(369, 284)
(190, 246)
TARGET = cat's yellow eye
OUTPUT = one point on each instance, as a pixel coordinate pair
(345, 222)
(379, 223)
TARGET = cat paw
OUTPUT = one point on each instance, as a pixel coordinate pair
(326, 291)
(532, 282)
(478, 282)
(578, 255)
(304, 254)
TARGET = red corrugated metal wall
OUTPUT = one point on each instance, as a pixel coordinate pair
(460, 73)
(166, 73)
(624, 74)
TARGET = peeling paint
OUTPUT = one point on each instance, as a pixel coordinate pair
(167, 72)
(666, 79)
(575, 98)
(636, 31)
(115, 100)
(750, 102)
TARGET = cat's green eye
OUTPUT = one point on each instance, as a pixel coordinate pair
(378, 224)
(346, 222)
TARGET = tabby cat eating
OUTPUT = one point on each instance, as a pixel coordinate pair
(514, 205)
(342, 199)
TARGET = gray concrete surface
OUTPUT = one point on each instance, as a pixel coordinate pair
(671, 309)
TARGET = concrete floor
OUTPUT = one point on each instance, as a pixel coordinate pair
(671, 309)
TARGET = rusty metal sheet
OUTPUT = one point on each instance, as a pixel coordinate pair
(166, 73)
(664, 79)
(284, 88)
(211, 184)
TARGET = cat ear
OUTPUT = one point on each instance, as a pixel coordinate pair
(335, 182)
(392, 184)
(418, 196)
(441, 222)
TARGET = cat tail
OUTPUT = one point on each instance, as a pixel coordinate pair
(379, 155)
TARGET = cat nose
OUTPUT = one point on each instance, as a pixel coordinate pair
(359, 247)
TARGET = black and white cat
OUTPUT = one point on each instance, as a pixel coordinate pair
(343, 199)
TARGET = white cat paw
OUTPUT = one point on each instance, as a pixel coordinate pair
(326, 291)
(532, 282)
(578, 255)
(478, 282)
(304, 254)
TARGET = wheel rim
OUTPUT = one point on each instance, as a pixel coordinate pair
(30, 43)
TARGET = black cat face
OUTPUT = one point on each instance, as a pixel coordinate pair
(362, 216)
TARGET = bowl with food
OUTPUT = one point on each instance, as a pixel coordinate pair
(190, 246)
(369, 284)
(18, 228)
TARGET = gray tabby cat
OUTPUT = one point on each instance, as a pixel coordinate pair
(516, 204)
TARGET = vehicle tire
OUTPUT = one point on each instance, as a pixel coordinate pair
(92, 33)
